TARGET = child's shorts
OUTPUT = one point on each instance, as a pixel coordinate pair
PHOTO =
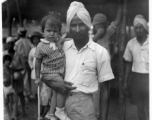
(8, 90)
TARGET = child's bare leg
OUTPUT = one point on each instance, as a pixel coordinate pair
(60, 111)
(60, 100)
(7, 107)
(10, 97)
(53, 102)
(15, 105)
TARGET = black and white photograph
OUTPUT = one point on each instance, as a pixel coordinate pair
(75, 59)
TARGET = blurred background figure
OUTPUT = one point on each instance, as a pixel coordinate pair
(10, 44)
(9, 93)
(22, 48)
(35, 39)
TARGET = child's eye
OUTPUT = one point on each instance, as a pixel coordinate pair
(48, 30)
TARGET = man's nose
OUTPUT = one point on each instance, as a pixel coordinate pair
(78, 28)
(138, 29)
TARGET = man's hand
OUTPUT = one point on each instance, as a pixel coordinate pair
(60, 86)
(38, 81)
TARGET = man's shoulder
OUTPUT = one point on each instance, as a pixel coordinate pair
(100, 51)
(131, 41)
(98, 47)
(67, 43)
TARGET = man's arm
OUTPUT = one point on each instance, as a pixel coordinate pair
(127, 73)
(119, 14)
(98, 35)
(60, 86)
(104, 100)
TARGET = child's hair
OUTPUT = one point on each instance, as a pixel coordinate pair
(7, 57)
(53, 19)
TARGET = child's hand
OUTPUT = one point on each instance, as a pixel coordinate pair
(38, 81)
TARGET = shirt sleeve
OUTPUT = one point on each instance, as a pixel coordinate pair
(104, 67)
(127, 54)
(39, 53)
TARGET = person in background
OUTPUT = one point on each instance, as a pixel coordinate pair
(35, 39)
(22, 48)
(10, 44)
(136, 56)
(9, 93)
(103, 32)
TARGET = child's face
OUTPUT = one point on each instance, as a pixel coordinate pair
(51, 34)
(36, 40)
(7, 62)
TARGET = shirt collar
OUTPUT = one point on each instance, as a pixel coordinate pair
(145, 43)
(89, 44)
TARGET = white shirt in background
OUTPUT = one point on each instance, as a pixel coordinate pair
(138, 54)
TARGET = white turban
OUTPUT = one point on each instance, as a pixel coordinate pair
(140, 19)
(77, 8)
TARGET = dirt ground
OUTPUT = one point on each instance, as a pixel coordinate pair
(114, 109)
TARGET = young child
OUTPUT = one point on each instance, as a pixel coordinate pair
(8, 88)
(49, 52)
(35, 39)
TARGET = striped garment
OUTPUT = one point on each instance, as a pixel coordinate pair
(53, 61)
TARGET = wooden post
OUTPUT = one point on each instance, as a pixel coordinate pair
(9, 19)
(121, 64)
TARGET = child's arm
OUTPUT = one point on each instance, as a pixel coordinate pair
(37, 70)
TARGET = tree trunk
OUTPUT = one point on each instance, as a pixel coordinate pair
(121, 63)
(9, 18)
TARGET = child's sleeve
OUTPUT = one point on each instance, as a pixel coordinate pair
(39, 53)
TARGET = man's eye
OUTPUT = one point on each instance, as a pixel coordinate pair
(82, 25)
(73, 25)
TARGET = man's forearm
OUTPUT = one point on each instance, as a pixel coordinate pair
(127, 71)
(104, 100)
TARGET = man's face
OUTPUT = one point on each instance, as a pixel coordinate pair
(78, 29)
(139, 30)
(101, 27)
(7, 62)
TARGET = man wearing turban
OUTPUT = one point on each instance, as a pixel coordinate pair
(87, 66)
(137, 61)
